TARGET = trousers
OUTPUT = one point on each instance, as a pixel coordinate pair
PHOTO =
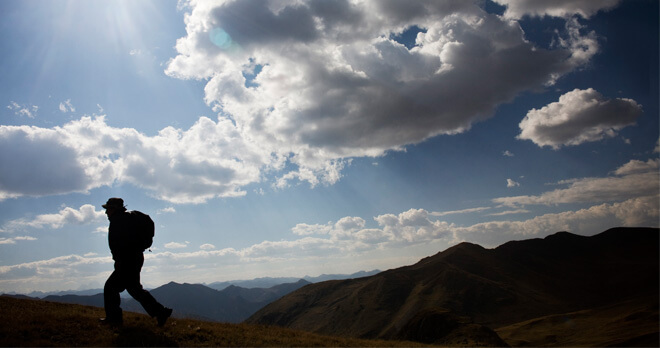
(126, 276)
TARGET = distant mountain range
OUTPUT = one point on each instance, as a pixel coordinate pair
(563, 290)
(42, 294)
(267, 282)
(231, 303)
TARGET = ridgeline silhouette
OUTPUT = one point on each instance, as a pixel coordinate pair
(233, 304)
(609, 280)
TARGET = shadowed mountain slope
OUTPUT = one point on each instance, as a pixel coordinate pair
(233, 304)
(513, 283)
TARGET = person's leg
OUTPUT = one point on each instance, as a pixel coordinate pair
(111, 300)
(135, 289)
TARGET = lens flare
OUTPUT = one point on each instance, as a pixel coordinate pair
(220, 38)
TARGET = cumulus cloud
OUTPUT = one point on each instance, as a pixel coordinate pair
(29, 111)
(182, 166)
(60, 273)
(67, 216)
(337, 92)
(511, 183)
(13, 240)
(168, 210)
(176, 245)
(303, 229)
(412, 226)
(289, 249)
(50, 161)
(416, 227)
(343, 229)
(207, 246)
(638, 167)
(555, 8)
(633, 179)
(300, 113)
(66, 106)
(579, 116)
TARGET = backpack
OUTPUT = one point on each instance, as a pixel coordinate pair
(144, 229)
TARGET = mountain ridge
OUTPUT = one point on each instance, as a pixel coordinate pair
(239, 302)
(495, 288)
(261, 282)
(266, 282)
(197, 301)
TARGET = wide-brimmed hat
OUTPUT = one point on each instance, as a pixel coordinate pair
(114, 203)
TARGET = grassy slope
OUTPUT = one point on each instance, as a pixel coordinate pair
(40, 323)
(633, 323)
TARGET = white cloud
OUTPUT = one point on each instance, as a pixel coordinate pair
(29, 111)
(67, 216)
(176, 245)
(510, 212)
(168, 210)
(507, 153)
(337, 92)
(556, 8)
(295, 249)
(66, 106)
(411, 227)
(13, 240)
(207, 246)
(58, 273)
(208, 160)
(511, 183)
(307, 229)
(579, 116)
(463, 211)
(350, 233)
(633, 179)
(638, 167)
(50, 161)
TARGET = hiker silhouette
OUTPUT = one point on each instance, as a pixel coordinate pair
(127, 253)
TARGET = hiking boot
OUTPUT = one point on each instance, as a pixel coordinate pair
(162, 317)
(111, 322)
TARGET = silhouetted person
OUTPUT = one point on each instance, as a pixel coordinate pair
(128, 257)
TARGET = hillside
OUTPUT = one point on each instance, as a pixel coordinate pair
(35, 323)
(607, 280)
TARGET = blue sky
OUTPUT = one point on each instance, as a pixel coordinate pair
(286, 138)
